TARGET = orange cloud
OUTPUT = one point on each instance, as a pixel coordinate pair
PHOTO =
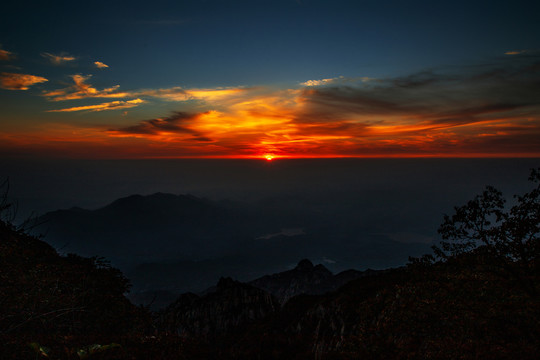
(100, 65)
(82, 90)
(58, 59)
(13, 81)
(213, 94)
(515, 52)
(113, 105)
(6, 55)
(180, 94)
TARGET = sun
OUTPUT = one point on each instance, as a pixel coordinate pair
(269, 157)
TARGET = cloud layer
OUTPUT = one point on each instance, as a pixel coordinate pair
(474, 112)
(113, 105)
(490, 110)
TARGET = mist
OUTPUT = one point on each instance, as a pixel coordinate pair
(261, 216)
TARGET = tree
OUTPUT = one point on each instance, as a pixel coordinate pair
(504, 239)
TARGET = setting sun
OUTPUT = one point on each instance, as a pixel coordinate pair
(269, 157)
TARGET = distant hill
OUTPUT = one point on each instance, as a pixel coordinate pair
(306, 278)
(171, 244)
(142, 227)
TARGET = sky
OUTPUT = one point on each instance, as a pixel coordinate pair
(269, 79)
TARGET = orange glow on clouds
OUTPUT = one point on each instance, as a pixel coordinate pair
(332, 117)
(103, 106)
(13, 81)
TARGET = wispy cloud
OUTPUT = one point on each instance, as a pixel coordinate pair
(14, 81)
(318, 82)
(58, 59)
(100, 65)
(113, 105)
(82, 90)
(180, 94)
(516, 52)
(6, 55)
(340, 79)
(171, 94)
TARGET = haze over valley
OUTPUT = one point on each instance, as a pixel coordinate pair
(180, 225)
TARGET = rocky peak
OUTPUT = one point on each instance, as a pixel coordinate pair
(304, 265)
(226, 282)
(305, 278)
(230, 306)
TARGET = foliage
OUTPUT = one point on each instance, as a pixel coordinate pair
(45, 297)
(474, 298)
(504, 239)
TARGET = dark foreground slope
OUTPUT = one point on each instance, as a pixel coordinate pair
(72, 308)
(450, 310)
(65, 302)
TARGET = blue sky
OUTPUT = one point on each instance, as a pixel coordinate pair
(230, 43)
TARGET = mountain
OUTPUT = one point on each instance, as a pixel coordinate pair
(158, 226)
(305, 278)
(67, 307)
(445, 311)
(229, 308)
(171, 244)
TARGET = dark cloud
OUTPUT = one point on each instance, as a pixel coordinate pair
(433, 97)
(202, 139)
(420, 79)
(174, 123)
(337, 101)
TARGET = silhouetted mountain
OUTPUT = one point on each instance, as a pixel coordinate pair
(481, 303)
(144, 227)
(230, 308)
(179, 243)
(454, 309)
(443, 311)
(305, 278)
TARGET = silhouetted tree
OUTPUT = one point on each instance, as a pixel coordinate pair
(505, 239)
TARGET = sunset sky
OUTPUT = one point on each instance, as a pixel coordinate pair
(304, 78)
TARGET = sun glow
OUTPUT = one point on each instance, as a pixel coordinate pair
(269, 157)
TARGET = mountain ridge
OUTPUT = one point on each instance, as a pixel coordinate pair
(154, 237)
